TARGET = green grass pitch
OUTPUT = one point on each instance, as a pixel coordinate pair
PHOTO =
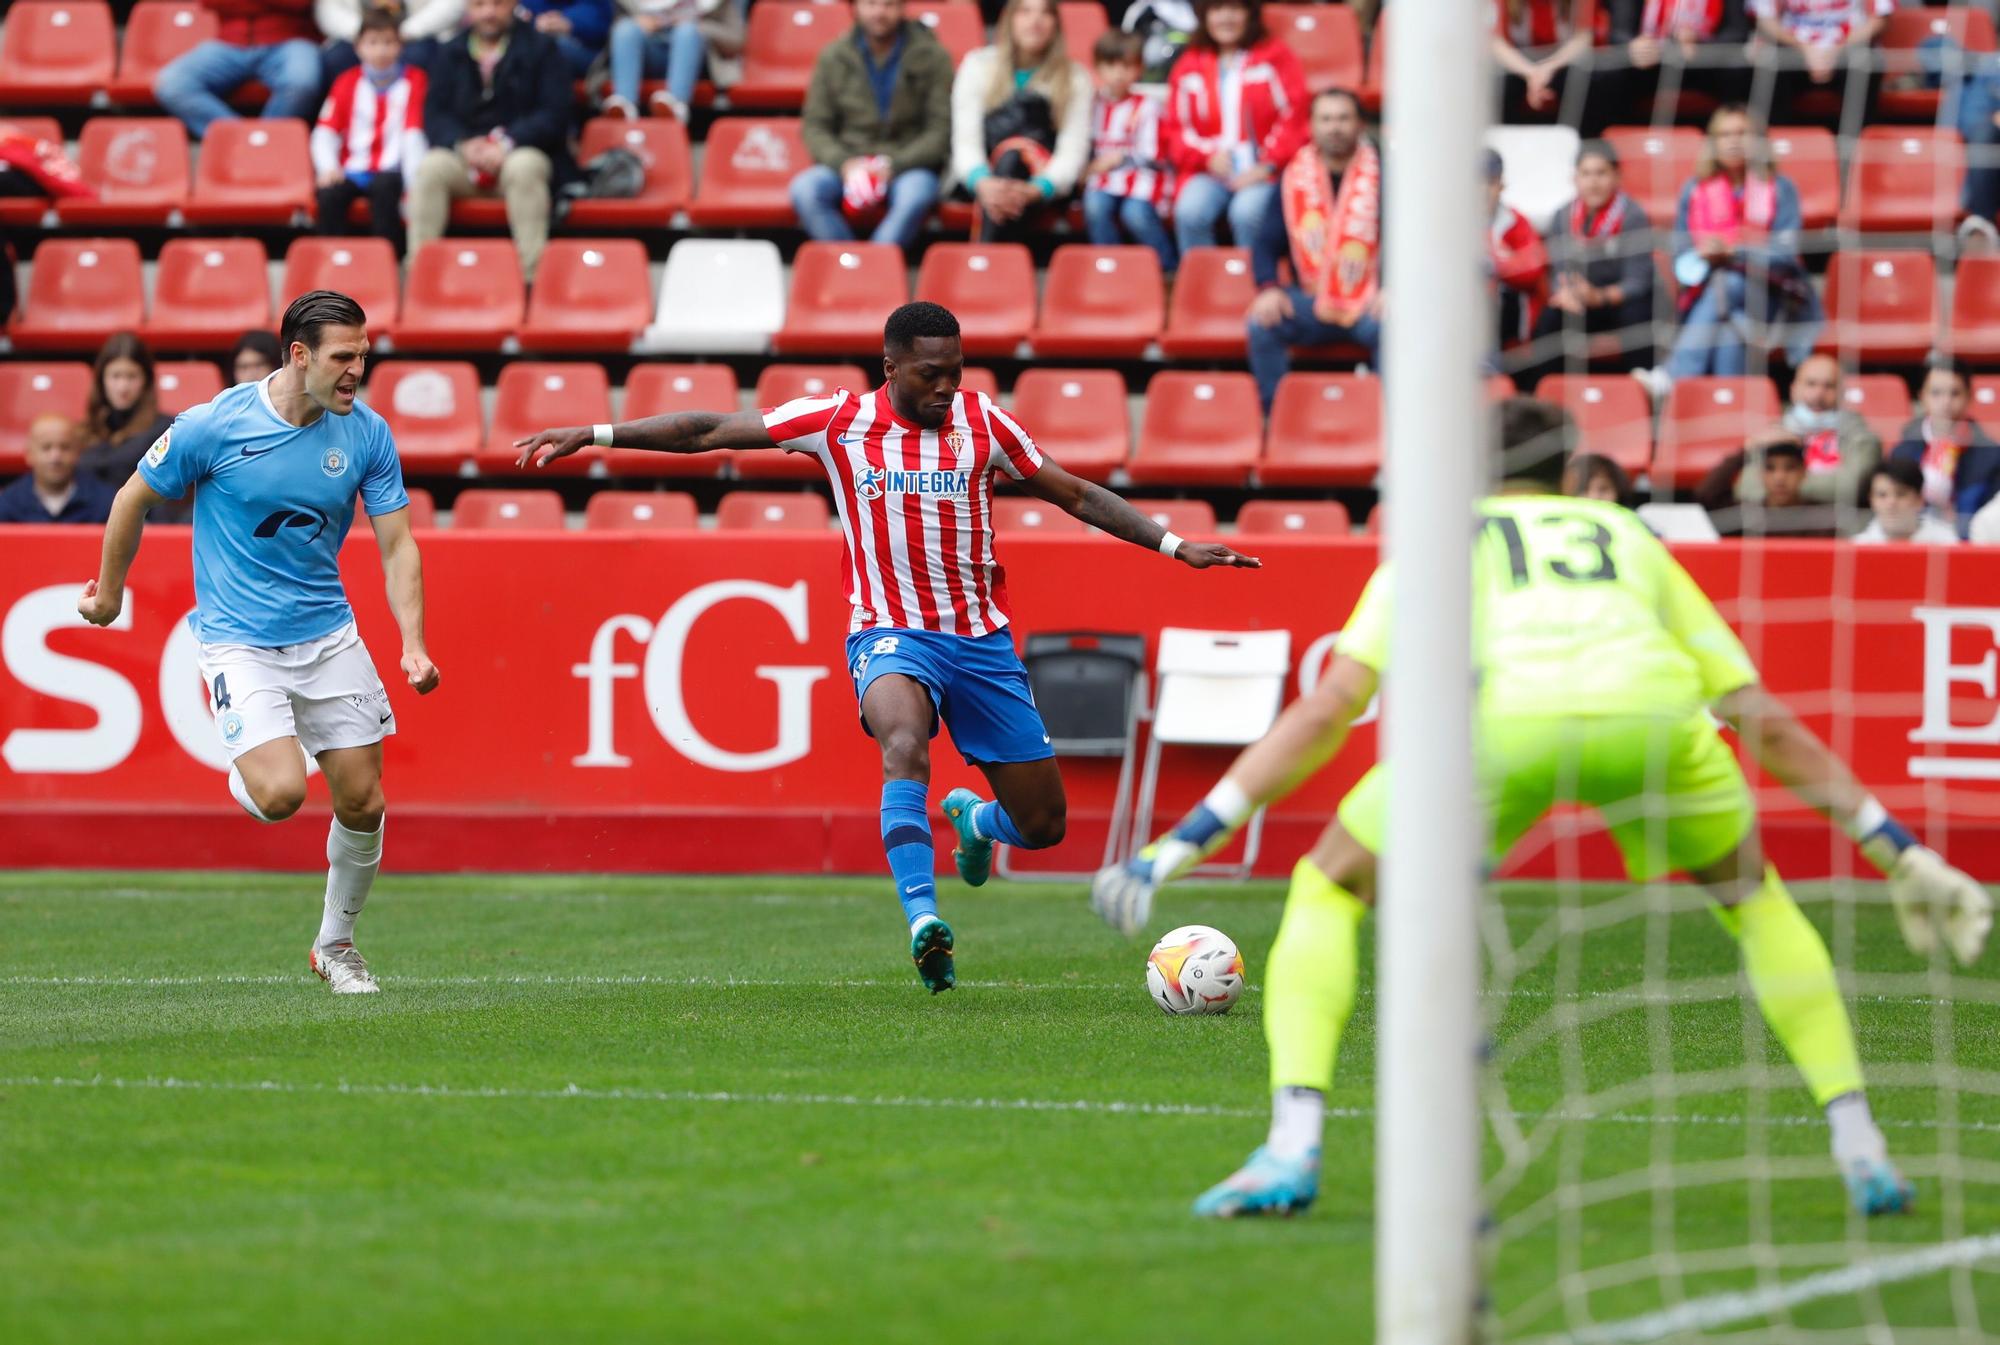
(724, 1110)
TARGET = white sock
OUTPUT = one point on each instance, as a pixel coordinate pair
(1855, 1134)
(241, 793)
(352, 859)
(1298, 1116)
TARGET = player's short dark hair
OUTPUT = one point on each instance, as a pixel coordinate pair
(1785, 448)
(315, 311)
(1902, 471)
(912, 322)
(1945, 364)
(1336, 92)
(1535, 440)
(1115, 46)
(379, 19)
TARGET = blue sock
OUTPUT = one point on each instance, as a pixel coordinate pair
(991, 821)
(906, 836)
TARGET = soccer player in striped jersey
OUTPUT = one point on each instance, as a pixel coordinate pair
(912, 466)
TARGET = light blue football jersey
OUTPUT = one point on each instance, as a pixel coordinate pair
(272, 504)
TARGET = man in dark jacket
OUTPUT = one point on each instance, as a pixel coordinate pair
(272, 41)
(878, 125)
(498, 118)
(1601, 283)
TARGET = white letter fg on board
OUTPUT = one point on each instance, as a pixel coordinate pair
(1942, 678)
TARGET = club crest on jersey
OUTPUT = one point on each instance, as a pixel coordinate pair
(955, 443)
(872, 483)
(334, 463)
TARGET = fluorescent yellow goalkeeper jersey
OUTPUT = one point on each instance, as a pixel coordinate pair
(1577, 610)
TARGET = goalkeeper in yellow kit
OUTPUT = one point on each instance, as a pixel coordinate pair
(1599, 663)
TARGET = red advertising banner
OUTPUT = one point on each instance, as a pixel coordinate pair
(680, 702)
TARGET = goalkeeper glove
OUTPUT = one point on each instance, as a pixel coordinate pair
(1929, 895)
(1122, 894)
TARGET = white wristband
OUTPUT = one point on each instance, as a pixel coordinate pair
(601, 435)
(1169, 544)
(1868, 819)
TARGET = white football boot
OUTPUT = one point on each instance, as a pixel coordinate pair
(343, 969)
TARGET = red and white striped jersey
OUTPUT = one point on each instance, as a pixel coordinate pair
(916, 505)
(363, 129)
(1131, 127)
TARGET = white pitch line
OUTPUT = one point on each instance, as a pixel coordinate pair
(699, 982)
(1716, 1310)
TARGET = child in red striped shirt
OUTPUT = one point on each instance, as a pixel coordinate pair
(370, 130)
(1129, 182)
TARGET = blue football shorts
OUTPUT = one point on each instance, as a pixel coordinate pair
(979, 689)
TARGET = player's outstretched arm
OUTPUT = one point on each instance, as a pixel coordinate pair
(1111, 513)
(403, 574)
(681, 432)
(104, 597)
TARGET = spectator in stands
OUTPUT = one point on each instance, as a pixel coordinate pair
(1762, 494)
(579, 28)
(1601, 263)
(1896, 495)
(498, 121)
(54, 491)
(1326, 220)
(254, 357)
(1129, 182)
(1824, 44)
(1835, 447)
(1164, 28)
(370, 127)
(1516, 261)
(674, 40)
(1592, 476)
(1536, 43)
(421, 24)
(121, 416)
(1970, 82)
(271, 41)
(878, 125)
(1235, 116)
(1676, 45)
(1736, 255)
(1958, 462)
(1020, 121)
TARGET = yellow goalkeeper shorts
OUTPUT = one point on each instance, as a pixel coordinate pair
(1669, 791)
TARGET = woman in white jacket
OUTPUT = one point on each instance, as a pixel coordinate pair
(1020, 120)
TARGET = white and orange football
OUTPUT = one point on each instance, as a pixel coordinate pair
(1195, 969)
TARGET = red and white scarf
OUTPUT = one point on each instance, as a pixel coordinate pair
(1336, 241)
(1608, 222)
(1670, 18)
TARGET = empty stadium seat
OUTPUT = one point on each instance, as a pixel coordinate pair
(1706, 420)
(1965, 26)
(956, 24)
(1082, 21)
(1975, 308)
(1189, 518)
(252, 172)
(1211, 304)
(207, 292)
(661, 389)
(1012, 513)
(1883, 400)
(1880, 306)
(772, 511)
(979, 380)
(423, 507)
(507, 510)
(841, 295)
(1326, 39)
(29, 390)
(780, 383)
(534, 396)
(1613, 417)
(55, 53)
(1904, 179)
(1102, 302)
(1325, 430)
(139, 166)
(80, 290)
(590, 294)
(364, 269)
(156, 33)
(1378, 65)
(1655, 162)
(779, 48)
(1295, 518)
(640, 511)
(719, 296)
(1810, 157)
(1985, 399)
(747, 167)
(1540, 165)
(1079, 416)
(463, 294)
(433, 411)
(661, 144)
(989, 286)
(1199, 429)
(25, 212)
(179, 384)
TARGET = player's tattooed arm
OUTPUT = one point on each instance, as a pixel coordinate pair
(679, 432)
(1112, 513)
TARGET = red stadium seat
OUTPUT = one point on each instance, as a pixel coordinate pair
(1189, 518)
(747, 167)
(156, 33)
(1082, 21)
(1975, 308)
(990, 286)
(1810, 157)
(1985, 399)
(661, 144)
(590, 294)
(772, 511)
(1655, 162)
(1499, 387)
(207, 292)
(25, 212)
(180, 384)
(423, 507)
(1295, 518)
(29, 391)
(1079, 416)
(780, 383)
(640, 511)
(1199, 429)
(1707, 419)
(1904, 179)
(1881, 306)
(783, 41)
(55, 53)
(364, 269)
(1378, 64)
(1325, 430)
(463, 294)
(1966, 26)
(252, 172)
(979, 380)
(80, 290)
(139, 166)
(1883, 400)
(1101, 302)
(508, 510)
(1326, 38)
(957, 24)
(1613, 417)
(1013, 513)
(1211, 306)
(661, 389)
(433, 412)
(841, 295)
(533, 396)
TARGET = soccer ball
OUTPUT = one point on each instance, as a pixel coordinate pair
(1194, 969)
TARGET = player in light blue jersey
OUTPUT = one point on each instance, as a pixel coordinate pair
(275, 478)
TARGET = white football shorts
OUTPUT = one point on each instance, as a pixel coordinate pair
(325, 692)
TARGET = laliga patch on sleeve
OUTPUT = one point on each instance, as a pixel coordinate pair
(157, 454)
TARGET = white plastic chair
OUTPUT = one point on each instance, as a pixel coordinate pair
(718, 296)
(1540, 168)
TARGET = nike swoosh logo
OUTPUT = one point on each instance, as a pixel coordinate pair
(385, 719)
(845, 440)
(257, 452)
